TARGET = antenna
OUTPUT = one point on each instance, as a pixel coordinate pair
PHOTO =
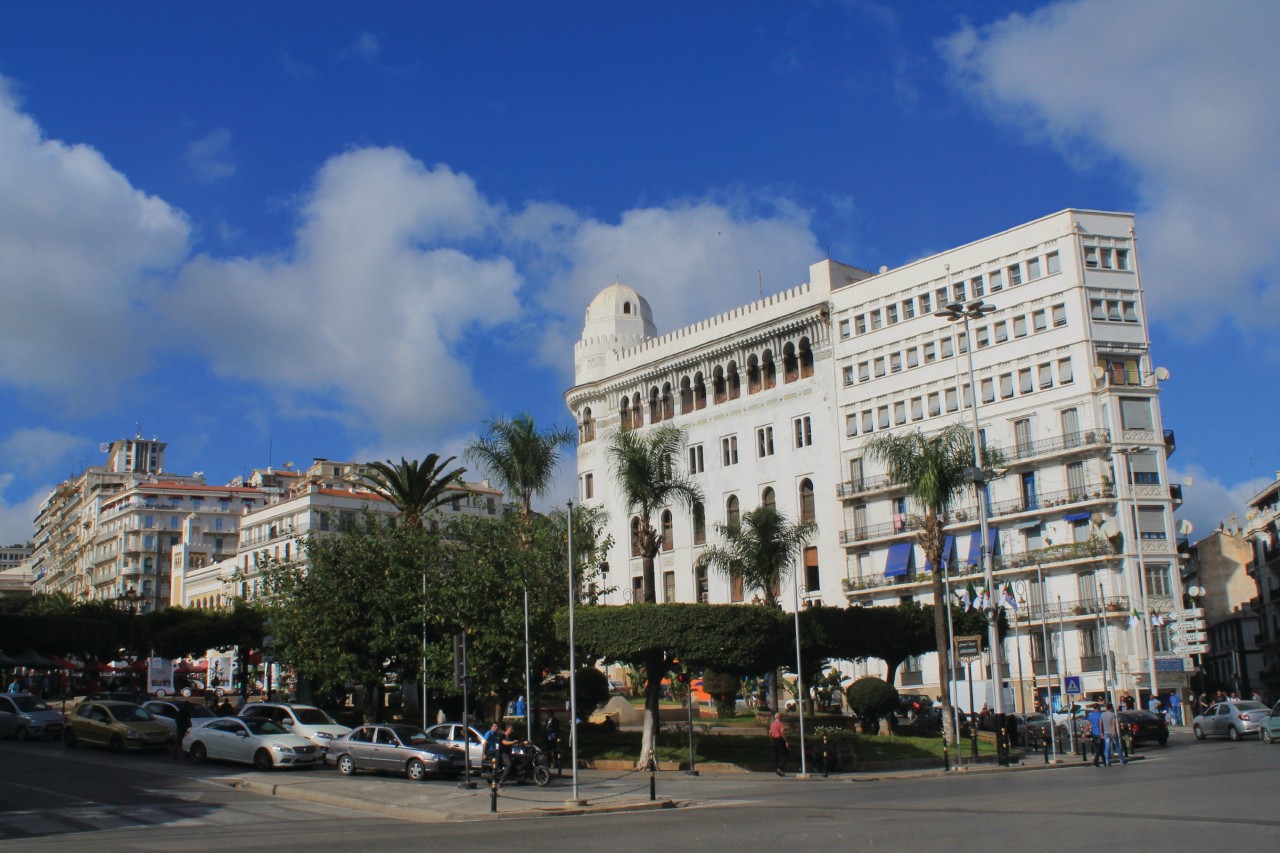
(760, 278)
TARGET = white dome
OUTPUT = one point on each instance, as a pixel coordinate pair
(619, 311)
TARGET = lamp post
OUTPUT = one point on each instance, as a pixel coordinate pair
(1045, 651)
(795, 592)
(957, 312)
(1142, 567)
(573, 663)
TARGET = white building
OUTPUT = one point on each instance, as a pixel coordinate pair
(779, 398)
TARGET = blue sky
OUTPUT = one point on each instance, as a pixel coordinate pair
(269, 232)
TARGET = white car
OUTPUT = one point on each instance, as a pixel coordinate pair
(305, 721)
(260, 742)
(166, 711)
(451, 735)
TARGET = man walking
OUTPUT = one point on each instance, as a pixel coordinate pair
(1110, 734)
(1094, 719)
(778, 737)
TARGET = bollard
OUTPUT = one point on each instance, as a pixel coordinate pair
(1044, 747)
(826, 757)
(946, 757)
(653, 780)
(493, 791)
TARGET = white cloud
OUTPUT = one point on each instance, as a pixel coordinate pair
(1207, 501)
(1182, 93)
(78, 250)
(17, 519)
(371, 301)
(210, 156)
(367, 48)
(38, 448)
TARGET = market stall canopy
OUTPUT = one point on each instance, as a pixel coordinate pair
(31, 660)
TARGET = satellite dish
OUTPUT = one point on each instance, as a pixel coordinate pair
(289, 465)
(1188, 481)
(1098, 373)
(1196, 591)
(1185, 527)
(1110, 529)
(1162, 373)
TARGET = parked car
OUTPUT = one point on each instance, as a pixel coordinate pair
(23, 716)
(1030, 728)
(1233, 719)
(166, 712)
(1269, 726)
(258, 741)
(305, 721)
(116, 696)
(1144, 726)
(118, 725)
(451, 734)
(394, 749)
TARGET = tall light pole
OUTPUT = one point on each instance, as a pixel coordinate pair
(1142, 567)
(573, 663)
(795, 593)
(957, 312)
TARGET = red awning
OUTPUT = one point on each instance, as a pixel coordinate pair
(96, 666)
(63, 663)
(185, 666)
(255, 657)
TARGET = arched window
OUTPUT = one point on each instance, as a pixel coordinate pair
(753, 374)
(635, 537)
(732, 517)
(587, 432)
(624, 414)
(655, 405)
(699, 392)
(790, 364)
(699, 523)
(806, 358)
(718, 385)
(812, 577)
(668, 539)
(668, 402)
(731, 377)
(686, 396)
(735, 588)
(769, 372)
(700, 584)
(768, 499)
(626, 308)
(637, 413)
(807, 513)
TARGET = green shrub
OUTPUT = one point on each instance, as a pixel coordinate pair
(872, 700)
(723, 689)
(593, 689)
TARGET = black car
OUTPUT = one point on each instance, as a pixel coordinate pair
(1144, 726)
(918, 711)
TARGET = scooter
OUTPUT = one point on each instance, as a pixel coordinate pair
(530, 765)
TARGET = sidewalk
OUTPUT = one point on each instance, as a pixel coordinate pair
(599, 791)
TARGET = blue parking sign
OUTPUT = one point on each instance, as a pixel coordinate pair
(1073, 684)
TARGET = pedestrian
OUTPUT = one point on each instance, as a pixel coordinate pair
(1110, 735)
(492, 740)
(1094, 718)
(1173, 710)
(15, 686)
(1154, 705)
(781, 751)
(226, 709)
(181, 725)
(551, 737)
(506, 754)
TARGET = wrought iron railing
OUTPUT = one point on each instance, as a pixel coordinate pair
(1067, 441)
(903, 524)
(863, 485)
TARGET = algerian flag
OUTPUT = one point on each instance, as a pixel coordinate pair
(967, 597)
(984, 599)
(1157, 619)
(1008, 600)
(1134, 618)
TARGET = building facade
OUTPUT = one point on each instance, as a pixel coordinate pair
(1263, 535)
(779, 399)
(1220, 564)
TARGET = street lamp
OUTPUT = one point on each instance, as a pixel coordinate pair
(958, 312)
(1142, 567)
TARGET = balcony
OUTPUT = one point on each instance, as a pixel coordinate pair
(1091, 548)
(1175, 494)
(863, 486)
(1082, 440)
(1047, 500)
(1170, 443)
(867, 532)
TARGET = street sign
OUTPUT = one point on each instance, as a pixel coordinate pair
(1072, 684)
(1189, 613)
(1189, 636)
(969, 648)
(1188, 649)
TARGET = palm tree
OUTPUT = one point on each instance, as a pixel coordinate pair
(518, 457)
(415, 488)
(760, 551)
(523, 462)
(933, 470)
(646, 464)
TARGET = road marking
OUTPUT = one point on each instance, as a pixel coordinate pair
(62, 796)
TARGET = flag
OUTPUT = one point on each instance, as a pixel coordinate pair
(1008, 600)
(1157, 619)
(967, 597)
(1134, 618)
(984, 599)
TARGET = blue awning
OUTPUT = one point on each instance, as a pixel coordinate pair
(975, 551)
(899, 560)
(1076, 516)
(948, 553)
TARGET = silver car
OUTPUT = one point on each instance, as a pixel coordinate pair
(394, 749)
(451, 734)
(166, 711)
(24, 716)
(1234, 719)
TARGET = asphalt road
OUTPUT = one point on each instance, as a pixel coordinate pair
(1188, 796)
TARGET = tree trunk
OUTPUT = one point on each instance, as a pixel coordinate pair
(940, 605)
(650, 589)
(654, 669)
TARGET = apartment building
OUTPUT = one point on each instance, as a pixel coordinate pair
(779, 399)
(1263, 534)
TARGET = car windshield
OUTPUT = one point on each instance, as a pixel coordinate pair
(131, 714)
(413, 736)
(28, 703)
(1250, 706)
(260, 726)
(313, 717)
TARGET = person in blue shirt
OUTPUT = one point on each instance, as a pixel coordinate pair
(1175, 709)
(1094, 717)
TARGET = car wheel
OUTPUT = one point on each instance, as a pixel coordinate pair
(541, 776)
(22, 733)
(186, 691)
(262, 760)
(1164, 741)
(220, 693)
(1266, 735)
(1199, 733)
(346, 765)
(1233, 733)
(117, 743)
(199, 754)
(416, 770)
(69, 739)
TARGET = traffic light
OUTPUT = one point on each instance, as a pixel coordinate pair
(683, 678)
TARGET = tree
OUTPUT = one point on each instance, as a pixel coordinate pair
(761, 550)
(415, 488)
(933, 470)
(647, 466)
(522, 460)
(723, 688)
(653, 637)
(872, 699)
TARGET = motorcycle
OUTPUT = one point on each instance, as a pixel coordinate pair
(530, 765)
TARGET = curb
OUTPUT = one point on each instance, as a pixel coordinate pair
(297, 792)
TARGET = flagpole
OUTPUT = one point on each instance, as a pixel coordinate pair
(951, 644)
(1017, 645)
